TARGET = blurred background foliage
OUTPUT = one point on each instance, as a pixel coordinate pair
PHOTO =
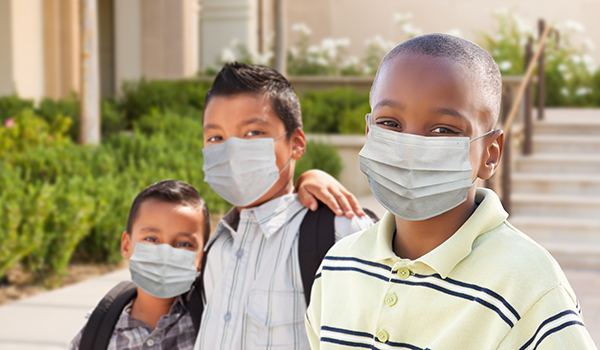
(60, 201)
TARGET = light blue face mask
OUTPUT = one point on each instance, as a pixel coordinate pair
(241, 171)
(416, 177)
(161, 270)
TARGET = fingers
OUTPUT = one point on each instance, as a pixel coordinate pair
(307, 199)
(343, 202)
(356, 208)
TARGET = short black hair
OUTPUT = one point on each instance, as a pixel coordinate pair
(462, 52)
(171, 191)
(240, 78)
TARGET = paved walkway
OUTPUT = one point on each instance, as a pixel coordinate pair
(48, 321)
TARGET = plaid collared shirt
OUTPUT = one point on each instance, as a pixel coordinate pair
(173, 331)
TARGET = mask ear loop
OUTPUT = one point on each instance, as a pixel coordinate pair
(480, 136)
(477, 138)
(291, 157)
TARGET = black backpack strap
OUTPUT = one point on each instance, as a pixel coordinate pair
(196, 297)
(371, 214)
(317, 235)
(101, 324)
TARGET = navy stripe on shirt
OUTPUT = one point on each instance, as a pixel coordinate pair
(553, 330)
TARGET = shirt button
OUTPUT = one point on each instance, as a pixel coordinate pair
(382, 336)
(403, 273)
(391, 299)
(150, 342)
(239, 253)
(227, 317)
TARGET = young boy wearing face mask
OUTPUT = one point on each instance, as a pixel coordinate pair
(167, 228)
(443, 269)
(252, 139)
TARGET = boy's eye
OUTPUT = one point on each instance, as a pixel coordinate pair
(151, 239)
(444, 131)
(215, 139)
(184, 245)
(254, 133)
(388, 124)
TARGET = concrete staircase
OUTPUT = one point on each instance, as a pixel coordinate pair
(556, 190)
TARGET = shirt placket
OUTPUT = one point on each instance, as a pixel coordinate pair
(236, 274)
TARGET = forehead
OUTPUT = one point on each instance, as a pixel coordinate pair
(240, 109)
(429, 82)
(167, 216)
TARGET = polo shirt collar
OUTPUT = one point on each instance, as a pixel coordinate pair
(271, 216)
(488, 215)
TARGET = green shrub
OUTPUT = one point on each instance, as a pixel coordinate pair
(12, 105)
(339, 111)
(319, 156)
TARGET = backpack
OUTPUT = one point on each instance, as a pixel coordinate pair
(317, 235)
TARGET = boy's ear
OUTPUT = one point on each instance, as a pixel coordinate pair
(198, 261)
(492, 154)
(126, 246)
(298, 141)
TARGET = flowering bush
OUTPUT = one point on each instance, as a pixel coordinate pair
(571, 75)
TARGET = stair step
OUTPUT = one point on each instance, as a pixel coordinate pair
(556, 184)
(557, 228)
(555, 144)
(574, 254)
(591, 127)
(578, 207)
(558, 164)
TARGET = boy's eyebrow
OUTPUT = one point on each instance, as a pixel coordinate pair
(449, 111)
(389, 103)
(150, 229)
(255, 120)
(210, 126)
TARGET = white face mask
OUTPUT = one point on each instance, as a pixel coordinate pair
(241, 171)
(161, 270)
(416, 177)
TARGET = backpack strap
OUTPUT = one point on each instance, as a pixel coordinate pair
(317, 235)
(196, 297)
(101, 324)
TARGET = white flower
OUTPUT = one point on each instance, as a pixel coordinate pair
(400, 18)
(329, 47)
(455, 32)
(227, 55)
(366, 70)
(576, 59)
(564, 91)
(264, 59)
(322, 62)
(294, 51)
(574, 26)
(562, 68)
(352, 61)
(341, 42)
(302, 29)
(583, 91)
(313, 50)
(409, 30)
(567, 76)
(505, 65)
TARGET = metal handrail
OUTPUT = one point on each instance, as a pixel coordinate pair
(526, 80)
(525, 90)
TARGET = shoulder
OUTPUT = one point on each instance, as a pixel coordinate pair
(514, 265)
(343, 246)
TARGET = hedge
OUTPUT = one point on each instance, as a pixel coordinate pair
(60, 201)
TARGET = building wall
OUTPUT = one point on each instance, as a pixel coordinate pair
(21, 48)
(359, 20)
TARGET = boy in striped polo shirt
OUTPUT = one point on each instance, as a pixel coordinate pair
(443, 269)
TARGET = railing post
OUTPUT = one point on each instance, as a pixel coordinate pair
(541, 75)
(527, 144)
(506, 155)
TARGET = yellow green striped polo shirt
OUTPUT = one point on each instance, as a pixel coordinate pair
(488, 286)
